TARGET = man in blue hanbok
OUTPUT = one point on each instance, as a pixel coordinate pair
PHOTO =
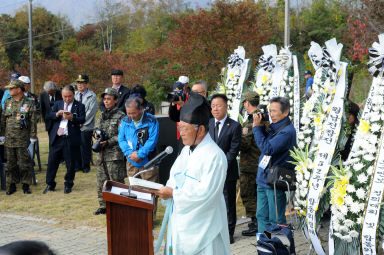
(194, 191)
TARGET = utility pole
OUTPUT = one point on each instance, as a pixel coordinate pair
(30, 44)
(286, 28)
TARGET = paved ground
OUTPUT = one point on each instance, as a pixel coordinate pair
(86, 241)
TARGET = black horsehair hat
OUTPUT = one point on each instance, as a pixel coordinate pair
(195, 110)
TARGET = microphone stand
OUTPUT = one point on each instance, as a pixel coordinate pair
(129, 193)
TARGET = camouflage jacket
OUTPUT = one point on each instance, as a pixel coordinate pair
(249, 152)
(16, 131)
(109, 122)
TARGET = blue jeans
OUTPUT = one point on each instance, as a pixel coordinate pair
(266, 212)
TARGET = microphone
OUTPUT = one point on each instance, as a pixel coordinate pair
(148, 167)
(156, 160)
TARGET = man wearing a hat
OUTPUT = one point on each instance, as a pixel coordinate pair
(14, 76)
(249, 158)
(110, 158)
(194, 192)
(140, 92)
(122, 91)
(89, 99)
(18, 129)
(174, 107)
(308, 86)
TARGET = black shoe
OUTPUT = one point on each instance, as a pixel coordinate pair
(100, 211)
(26, 189)
(253, 222)
(249, 232)
(231, 239)
(11, 189)
(67, 190)
(86, 170)
(49, 188)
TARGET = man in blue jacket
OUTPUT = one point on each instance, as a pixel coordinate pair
(274, 144)
(138, 135)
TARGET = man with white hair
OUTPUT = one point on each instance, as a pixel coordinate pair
(47, 98)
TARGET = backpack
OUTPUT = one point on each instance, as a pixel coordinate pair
(276, 240)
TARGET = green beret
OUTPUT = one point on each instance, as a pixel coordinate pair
(109, 91)
(250, 95)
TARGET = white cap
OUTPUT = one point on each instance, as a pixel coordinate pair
(24, 79)
(183, 79)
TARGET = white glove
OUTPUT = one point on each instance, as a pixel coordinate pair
(33, 140)
(2, 139)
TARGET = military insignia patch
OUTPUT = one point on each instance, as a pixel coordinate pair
(245, 130)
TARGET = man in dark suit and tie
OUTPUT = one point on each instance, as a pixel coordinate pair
(122, 92)
(47, 99)
(64, 138)
(227, 135)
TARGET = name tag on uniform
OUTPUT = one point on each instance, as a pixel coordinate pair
(264, 161)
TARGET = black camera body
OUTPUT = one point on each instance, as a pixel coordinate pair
(263, 110)
(23, 121)
(101, 137)
(176, 95)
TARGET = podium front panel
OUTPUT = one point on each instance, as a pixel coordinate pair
(130, 230)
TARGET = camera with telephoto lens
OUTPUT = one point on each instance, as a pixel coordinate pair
(263, 110)
(176, 95)
(101, 136)
(23, 121)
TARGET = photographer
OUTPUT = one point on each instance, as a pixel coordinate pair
(110, 157)
(178, 98)
(274, 144)
(138, 135)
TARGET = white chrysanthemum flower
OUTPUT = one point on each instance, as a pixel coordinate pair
(359, 220)
(343, 229)
(362, 206)
(358, 166)
(371, 149)
(307, 140)
(362, 178)
(348, 200)
(350, 188)
(370, 170)
(347, 238)
(375, 127)
(354, 233)
(355, 207)
(349, 223)
(299, 176)
(290, 94)
(300, 136)
(374, 117)
(307, 175)
(343, 209)
(301, 145)
(369, 157)
(338, 235)
(307, 131)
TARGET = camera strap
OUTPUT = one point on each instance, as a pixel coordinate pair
(281, 128)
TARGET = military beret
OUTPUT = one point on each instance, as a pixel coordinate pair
(15, 84)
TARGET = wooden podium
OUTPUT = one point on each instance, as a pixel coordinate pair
(129, 222)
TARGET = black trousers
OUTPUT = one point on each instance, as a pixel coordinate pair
(61, 149)
(84, 162)
(230, 201)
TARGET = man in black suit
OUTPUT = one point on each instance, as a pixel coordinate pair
(64, 138)
(227, 135)
(123, 92)
(47, 99)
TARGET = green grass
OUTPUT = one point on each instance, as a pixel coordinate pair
(69, 210)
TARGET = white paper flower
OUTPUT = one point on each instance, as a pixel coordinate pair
(355, 207)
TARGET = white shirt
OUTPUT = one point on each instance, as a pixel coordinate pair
(51, 98)
(64, 122)
(221, 124)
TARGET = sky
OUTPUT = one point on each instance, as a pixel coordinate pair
(79, 12)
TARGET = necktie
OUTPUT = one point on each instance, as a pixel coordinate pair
(60, 131)
(81, 97)
(217, 131)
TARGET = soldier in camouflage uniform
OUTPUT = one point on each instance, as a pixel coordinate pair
(249, 161)
(110, 158)
(18, 128)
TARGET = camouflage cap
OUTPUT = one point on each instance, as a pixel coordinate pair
(250, 95)
(15, 84)
(109, 91)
